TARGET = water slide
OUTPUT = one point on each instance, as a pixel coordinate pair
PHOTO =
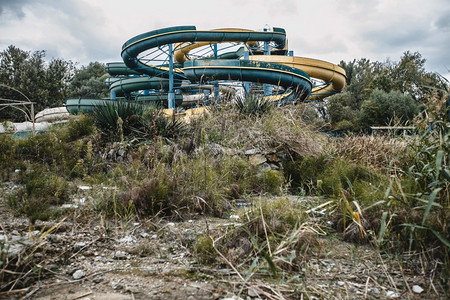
(163, 60)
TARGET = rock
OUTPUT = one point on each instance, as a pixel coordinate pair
(84, 187)
(52, 267)
(120, 255)
(78, 274)
(97, 280)
(417, 289)
(132, 289)
(252, 152)
(252, 293)
(127, 240)
(215, 149)
(392, 295)
(340, 283)
(257, 159)
(80, 245)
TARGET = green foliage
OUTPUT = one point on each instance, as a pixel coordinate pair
(341, 107)
(41, 190)
(341, 175)
(89, 82)
(383, 108)
(120, 119)
(424, 185)
(272, 181)
(110, 116)
(304, 172)
(204, 250)
(252, 105)
(46, 84)
(378, 91)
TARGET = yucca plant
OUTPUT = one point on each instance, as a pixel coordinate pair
(112, 117)
(252, 105)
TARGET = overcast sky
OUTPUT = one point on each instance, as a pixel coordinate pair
(331, 30)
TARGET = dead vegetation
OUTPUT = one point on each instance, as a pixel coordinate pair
(287, 199)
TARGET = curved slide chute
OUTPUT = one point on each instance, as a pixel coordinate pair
(333, 75)
(244, 70)
(147, 77)
(188, 34)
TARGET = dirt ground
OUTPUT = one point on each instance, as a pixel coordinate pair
(83, 258)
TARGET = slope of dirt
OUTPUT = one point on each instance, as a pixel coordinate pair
(83, 257)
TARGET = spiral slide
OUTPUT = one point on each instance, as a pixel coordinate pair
(183, 63)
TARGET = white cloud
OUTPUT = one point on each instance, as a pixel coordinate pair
(85, 31)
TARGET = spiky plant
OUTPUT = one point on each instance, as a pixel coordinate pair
(107, 116)
(252, 105)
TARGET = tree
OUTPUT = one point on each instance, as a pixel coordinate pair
(383, 108)
(378, 91)
(90, 82)
(45, 84)
(340, 108)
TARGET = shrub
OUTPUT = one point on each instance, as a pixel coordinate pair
(252, 105)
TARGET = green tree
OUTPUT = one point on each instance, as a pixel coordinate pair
(90, 82)
(340, 108)
(45, 84)
(384, 108)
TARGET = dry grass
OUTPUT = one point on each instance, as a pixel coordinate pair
(378, 151)
(279, 129)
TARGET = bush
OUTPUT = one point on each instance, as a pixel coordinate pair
(383, 108)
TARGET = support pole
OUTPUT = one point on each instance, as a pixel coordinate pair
(171, 97)
(267, 87)
(216, 84)
(246, 83)
(32, 118)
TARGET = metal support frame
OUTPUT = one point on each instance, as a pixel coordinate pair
(15, 103)
(171, 94)
(247, 84)
(216, 84)
(267, 87)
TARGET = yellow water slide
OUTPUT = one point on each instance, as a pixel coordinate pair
(181, 53)
(334, 77)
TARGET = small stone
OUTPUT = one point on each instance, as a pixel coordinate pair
(132, 289)
(120, 255)
(257, 159)
(52, 267)
(340, 283)
(252, 293)
(392, 295)
(252, 152)
(78, 274)
(84, 187)
(154, 236)
(417, 289)
(98, 279)
(80, 244)
(127, 240)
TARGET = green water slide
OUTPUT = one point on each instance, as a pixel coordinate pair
(140, 77)
(221, 68)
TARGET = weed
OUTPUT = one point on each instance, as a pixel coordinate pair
(204, 250)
